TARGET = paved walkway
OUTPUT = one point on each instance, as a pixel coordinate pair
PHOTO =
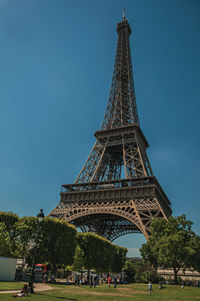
(38, 287)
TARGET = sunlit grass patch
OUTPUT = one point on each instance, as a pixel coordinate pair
(136, 292)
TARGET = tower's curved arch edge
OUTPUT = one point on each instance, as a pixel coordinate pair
(107, 214)
(122, 233)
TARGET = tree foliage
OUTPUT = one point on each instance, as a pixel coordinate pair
(78, 263)
(93, 246)
(100, 254)
(51, 240)
(9, 219)
(145, 272)
(172, 244)
(56, 242)
(7, 222)
(26, 237)
(129, 271)
(5, 242)
(140, 272)
(119, 258)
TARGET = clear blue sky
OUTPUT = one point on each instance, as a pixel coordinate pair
(56, 63)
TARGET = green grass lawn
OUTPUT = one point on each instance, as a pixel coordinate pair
(6, 286)
(137, 292)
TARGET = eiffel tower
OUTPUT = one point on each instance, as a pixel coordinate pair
(116, 192)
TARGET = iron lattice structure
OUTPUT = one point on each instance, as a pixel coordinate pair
(116, 192)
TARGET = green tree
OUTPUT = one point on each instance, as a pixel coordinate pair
(78, 263)
(172, 244)
(145, 272)
(5, 242)
(26, 237)
(57, 242)
(119, 259)
(107, 253)
(140, 272)
(100, 254)
(52, 241)
(129, 271)
(91, 245)
(9, 220)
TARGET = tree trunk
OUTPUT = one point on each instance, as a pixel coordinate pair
(175, 276)
(23, 257)
(88, 276)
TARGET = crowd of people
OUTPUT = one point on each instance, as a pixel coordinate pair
(93, 281)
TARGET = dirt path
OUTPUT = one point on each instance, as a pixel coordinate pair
(38, 287)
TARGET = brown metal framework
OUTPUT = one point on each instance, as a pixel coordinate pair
(116, 192)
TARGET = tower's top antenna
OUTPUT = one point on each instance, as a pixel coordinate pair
(123, 14)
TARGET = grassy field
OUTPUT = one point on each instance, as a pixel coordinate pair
(137, 292)
(6, 286)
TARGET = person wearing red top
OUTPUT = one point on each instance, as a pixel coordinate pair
(109, 281)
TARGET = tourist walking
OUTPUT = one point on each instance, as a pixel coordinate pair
(91, 281)
(53, 278)
(95, 281)
(115, 281)
(150, 287)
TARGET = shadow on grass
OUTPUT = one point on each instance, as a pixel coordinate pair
(57, 297)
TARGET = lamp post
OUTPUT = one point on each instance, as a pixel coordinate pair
(40, 217)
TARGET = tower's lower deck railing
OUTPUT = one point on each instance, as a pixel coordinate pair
(114, 184)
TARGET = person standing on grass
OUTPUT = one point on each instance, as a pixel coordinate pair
(91, 281)
(95, 281)
(115, 281)
(150, 287)
(109, 281)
